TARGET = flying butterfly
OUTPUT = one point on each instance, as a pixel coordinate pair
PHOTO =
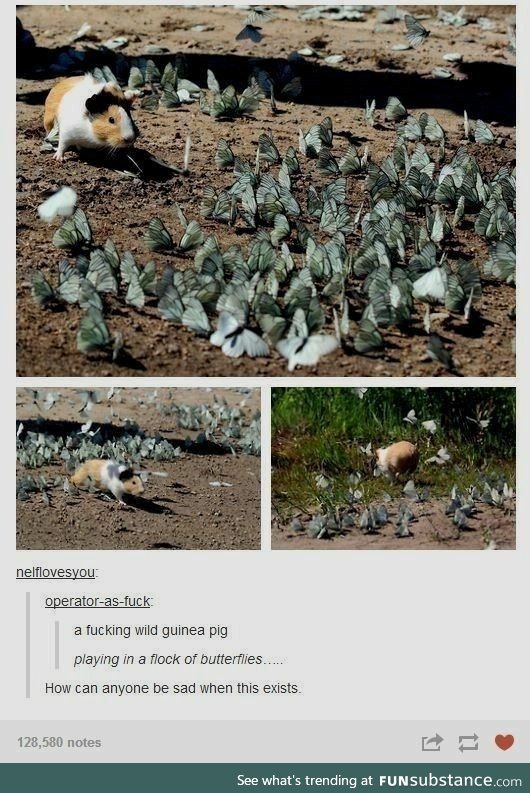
(62, 204)
(236, 340)
(305, 349)
(250, 32)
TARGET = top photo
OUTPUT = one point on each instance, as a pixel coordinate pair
(249, 191)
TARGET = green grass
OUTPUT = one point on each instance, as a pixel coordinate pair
(321, 430)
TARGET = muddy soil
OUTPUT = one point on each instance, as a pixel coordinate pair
(180, 512)
(120, 208)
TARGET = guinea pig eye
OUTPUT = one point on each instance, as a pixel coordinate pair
(112, 120)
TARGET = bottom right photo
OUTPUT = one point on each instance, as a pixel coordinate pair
(393, 468)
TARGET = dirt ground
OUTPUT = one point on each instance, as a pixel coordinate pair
(180, 512)
(432, 530)
(120, 208)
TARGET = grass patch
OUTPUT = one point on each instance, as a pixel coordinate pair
(321, 431)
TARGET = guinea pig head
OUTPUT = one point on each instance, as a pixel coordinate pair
(132, 483)
(110, 113)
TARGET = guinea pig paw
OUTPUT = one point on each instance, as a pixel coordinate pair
(58, 157)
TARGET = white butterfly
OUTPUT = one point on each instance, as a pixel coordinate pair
(235, 340)
(430, 426)
(442, 456)
(62, 204)
(303, 349)
(411, 417)
(431, 287)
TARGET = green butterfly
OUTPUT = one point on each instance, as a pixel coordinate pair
(74, 233)
(157, 237)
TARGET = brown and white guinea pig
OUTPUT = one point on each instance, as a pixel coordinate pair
(109, 475)
(399, 458)
(90, 114)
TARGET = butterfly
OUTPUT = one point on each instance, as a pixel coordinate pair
(236, 340)
(319, 135)
(157, 237)
(305, 349)
(93, 333)
(193, 236)
(150, 102)
(438, 352)
(431, 287)
(395, 110)
(60, 204)
(136, 79)
(258, 14)
(194, 316)
(369, 113)
(152, 73)
(224, 156)
(74, 233)
(267, 149)
(416, 33)
(367, 338)
(100, 273)
(250, 32)
(483, 133)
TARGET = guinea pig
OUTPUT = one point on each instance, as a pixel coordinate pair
(399, 458)
(90, 114)
(109, 475)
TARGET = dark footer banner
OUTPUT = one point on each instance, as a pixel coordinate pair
(232, 777)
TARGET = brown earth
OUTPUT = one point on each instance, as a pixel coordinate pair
(121, 208)
(181, 512)
(433, 530)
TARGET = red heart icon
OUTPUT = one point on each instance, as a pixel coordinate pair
(504, 742)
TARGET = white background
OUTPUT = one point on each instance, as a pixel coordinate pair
(367, 635)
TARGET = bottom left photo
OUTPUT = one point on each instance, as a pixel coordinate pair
(138, 469)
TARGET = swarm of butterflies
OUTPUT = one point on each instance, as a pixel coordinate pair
(169, 88)
(318, 274)
(228, 427)
(492, 490)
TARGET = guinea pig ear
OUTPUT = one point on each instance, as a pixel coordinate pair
(127, 474)
(96, 103)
